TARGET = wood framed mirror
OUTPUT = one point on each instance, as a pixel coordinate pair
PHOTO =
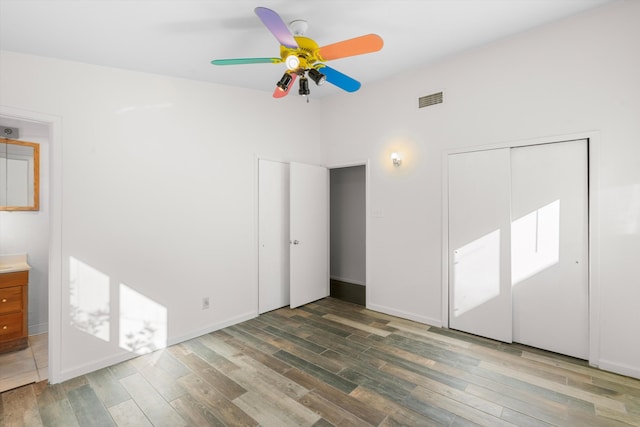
(19, 175)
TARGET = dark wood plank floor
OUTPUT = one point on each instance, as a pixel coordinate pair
(334, 363)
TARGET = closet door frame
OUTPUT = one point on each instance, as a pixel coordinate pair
(593, 142)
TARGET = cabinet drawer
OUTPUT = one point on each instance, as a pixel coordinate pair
(11, 326)
(14, 279)
(10, 300)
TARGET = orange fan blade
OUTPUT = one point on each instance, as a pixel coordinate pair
(357, 46)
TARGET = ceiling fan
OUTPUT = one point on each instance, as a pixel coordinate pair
(303, 57)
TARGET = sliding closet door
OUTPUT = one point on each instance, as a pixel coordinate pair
(550, 247)
(479, 243)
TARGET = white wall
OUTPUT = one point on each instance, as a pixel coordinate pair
(577, 75)
(158, 196)
(348, 210)
(27, 232)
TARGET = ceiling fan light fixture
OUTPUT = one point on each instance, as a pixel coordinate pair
(304, 87)
(317, 77)
(292, 62)
(304, 58)
(284, 82)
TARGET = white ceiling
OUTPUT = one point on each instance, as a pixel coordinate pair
(180, 37)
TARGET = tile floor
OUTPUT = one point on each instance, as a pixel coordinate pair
(26, 366)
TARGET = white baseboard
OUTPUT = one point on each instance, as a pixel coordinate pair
(406, 315)
(347, 280)
(212, 327)
(619, 368)
(38, 328)
(95, 365)
(67, 374)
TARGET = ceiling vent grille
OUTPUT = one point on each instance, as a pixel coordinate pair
(434, 98)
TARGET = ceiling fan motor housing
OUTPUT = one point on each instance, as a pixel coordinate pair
(306, 52)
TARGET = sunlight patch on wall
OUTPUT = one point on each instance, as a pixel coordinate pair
(535, 242)
(476, 273)
(143, 322)
(89, 299)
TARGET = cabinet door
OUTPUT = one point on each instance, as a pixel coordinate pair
(10, 299)
(11, 326)
(479, 244)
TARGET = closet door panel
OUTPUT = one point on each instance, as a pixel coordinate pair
(550, 247)
(479, 243)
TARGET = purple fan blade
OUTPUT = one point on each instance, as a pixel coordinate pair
(276, 25)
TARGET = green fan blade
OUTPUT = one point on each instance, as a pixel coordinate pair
(239, 61)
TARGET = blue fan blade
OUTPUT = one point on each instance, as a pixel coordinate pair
(276, 25)
(343, 81)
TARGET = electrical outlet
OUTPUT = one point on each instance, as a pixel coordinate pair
(205, 303)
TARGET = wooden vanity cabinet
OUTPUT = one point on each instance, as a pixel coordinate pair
(13, 311)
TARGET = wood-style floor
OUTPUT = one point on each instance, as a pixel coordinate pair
(334, 363)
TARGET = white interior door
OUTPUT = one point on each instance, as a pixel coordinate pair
(550, 247)
(309, 233)
(273, 240)
(479, 240)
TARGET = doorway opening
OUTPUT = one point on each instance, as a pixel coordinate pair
(27, 233)
(347, 191)
(339, 269)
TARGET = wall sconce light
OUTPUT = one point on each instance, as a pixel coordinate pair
(397, 161)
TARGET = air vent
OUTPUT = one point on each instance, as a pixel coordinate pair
(425, 101)
(9, 132)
